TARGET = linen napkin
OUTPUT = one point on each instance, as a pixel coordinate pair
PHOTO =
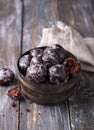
(71, 40)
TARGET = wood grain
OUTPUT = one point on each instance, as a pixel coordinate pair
(37, 15)
(83, 15)
(78, 14)
(10, 36)
(65, 12)
(40, 14)
(81, 104)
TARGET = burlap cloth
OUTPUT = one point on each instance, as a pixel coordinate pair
(71, 40)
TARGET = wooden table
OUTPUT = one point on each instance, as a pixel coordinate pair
(21, 23)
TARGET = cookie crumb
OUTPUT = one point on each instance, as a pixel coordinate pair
(27, 110)
(13, 104)
(17, 110)
(39, 113)
(30, 102)
(21, 113)
(14, 93)
(3, 115)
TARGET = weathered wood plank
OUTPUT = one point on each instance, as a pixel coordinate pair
(44, 117)
(78, 14)
(82, 102)
(82, 105)
(65, 12)
(83, 15)
(10, 37)
(39, 14)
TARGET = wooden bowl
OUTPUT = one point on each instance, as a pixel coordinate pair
(46, 93)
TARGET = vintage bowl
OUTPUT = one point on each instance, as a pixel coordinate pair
(46, 93)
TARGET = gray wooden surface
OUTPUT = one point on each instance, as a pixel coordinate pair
(21, 24)
(10, 35)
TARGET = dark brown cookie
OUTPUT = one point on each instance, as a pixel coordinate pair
(24, 63)
(37, 73)
(58, 74)
(36, 52)
(6, 76)
(60, 52)
(73, 65)
(36, 60)
(50, 57)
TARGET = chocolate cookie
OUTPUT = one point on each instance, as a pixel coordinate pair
(73, 65)
(58, 74)
(6, 76)
(36, 60)
(60, 52)
(50, 57)
(37, 73)
(24, 63)
(36, 52)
